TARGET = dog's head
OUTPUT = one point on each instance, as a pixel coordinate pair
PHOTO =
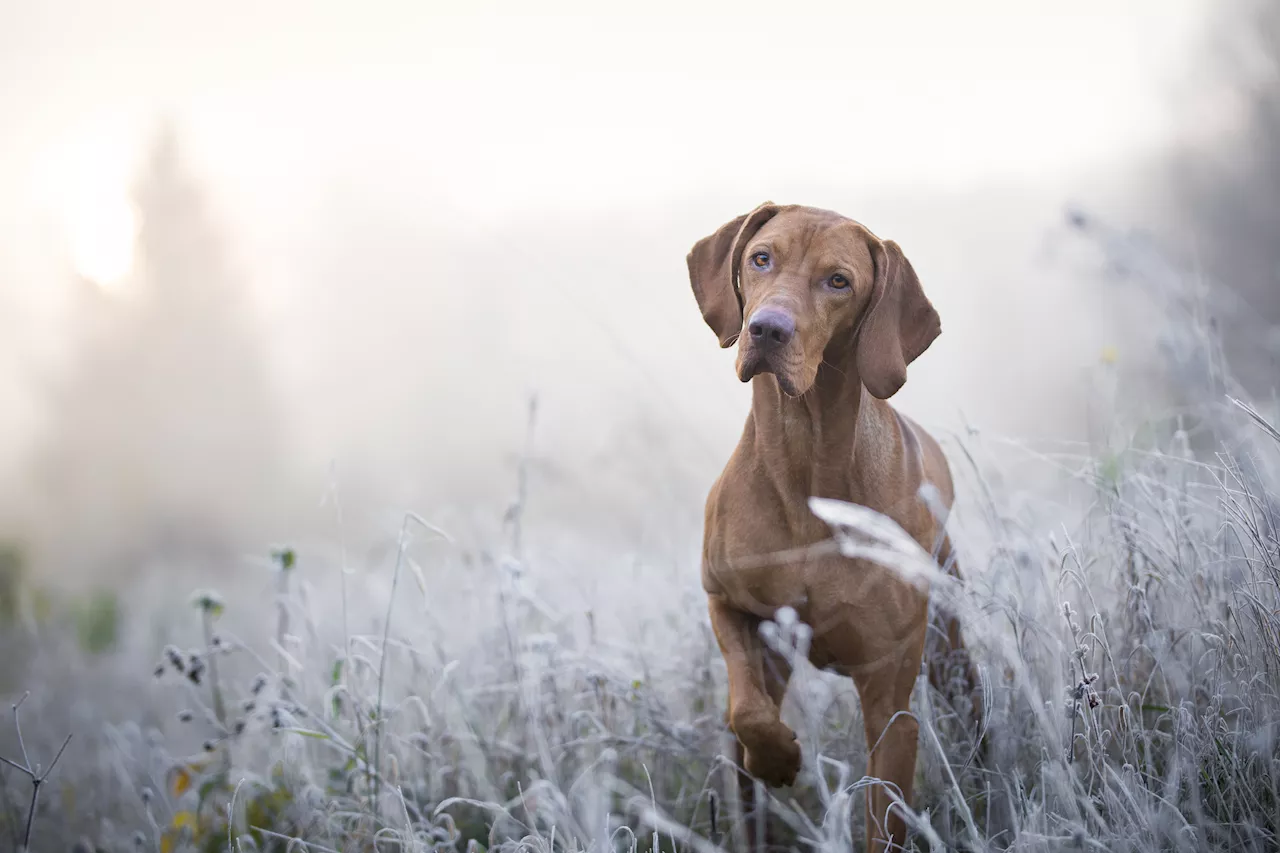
(793, 285)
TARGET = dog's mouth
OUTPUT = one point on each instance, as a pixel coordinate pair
(752, 363)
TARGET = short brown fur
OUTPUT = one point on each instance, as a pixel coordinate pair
(819, 426)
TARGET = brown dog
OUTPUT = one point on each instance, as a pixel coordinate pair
(826, 317)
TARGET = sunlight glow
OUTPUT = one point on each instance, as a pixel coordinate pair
(101, 234)
(83, 184)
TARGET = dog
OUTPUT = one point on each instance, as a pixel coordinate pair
(826, 318)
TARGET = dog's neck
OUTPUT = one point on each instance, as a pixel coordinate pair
(808, 443)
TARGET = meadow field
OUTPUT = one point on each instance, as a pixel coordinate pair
(500, 687)
(356, 418)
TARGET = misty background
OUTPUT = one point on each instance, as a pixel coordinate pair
(363, 241)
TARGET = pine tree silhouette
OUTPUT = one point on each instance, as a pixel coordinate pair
(163, 432)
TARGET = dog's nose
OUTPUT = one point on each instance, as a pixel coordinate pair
(771, 327)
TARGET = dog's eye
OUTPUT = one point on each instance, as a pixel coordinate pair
(839, 282)
(761, 260)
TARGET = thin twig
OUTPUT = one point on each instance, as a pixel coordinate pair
(61, 750)
(33, 773)
(17, 724)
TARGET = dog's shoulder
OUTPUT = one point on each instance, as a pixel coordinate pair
(923, 453)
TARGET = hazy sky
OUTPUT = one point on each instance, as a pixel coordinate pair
(604, 106)
(472, 110)
(472, 116)
(439, 209)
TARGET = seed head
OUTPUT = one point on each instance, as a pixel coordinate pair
(207, 601)
(195, 669)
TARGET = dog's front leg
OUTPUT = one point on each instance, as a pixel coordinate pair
(757, 681)
(892, 733)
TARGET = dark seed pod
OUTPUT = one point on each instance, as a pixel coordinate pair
(196, 670)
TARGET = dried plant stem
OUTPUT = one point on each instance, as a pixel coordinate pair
(378, 722)
(33, 773)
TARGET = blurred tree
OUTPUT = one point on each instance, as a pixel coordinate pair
(1226, 181)
(162, 433)
(11, 572)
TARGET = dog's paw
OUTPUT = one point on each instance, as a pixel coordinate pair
(773, 757)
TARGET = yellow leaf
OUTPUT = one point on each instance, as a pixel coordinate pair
(181, 776)
(182, 820)
(179, 780)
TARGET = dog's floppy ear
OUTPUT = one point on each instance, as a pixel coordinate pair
(713, 272)
(899, 323)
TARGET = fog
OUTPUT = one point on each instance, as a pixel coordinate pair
(399, 290)
(369, 239)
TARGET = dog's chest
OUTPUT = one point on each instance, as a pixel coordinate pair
(762, 553)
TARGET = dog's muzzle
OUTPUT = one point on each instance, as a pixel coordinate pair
(770, 332)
